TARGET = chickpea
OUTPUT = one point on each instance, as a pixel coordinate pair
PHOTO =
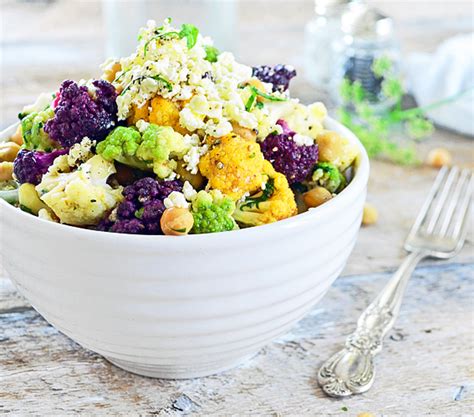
(365, 415)
(176, 221)
(6, 171)
(370, 215)
(331, 146)
(29, 198)
(17, 136)
(316, 197)
(439, 157)
(111, 71)
(243, 132)
(8, 151)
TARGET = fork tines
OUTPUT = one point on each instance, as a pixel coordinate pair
(445, 211)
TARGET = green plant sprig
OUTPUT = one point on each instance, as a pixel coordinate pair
(374, 127)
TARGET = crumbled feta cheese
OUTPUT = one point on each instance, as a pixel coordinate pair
(176, 199)
(193, 157)
(302, 140)
(211, 91)
(190, 120)
(189, 191)
(80, 152)
(142, 125)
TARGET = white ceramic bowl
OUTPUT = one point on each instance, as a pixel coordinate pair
(173, 307)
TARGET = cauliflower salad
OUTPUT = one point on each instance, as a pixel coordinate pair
(178, 138)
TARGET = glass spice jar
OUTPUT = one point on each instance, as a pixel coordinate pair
(367, 36)
(320, 33)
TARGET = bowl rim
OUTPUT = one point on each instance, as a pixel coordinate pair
(354, 188)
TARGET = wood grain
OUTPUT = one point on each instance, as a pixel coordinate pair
(425, 368)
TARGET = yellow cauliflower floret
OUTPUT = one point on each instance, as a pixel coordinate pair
(275, 202)
(79, 197)
(159, 111)
(234, 166)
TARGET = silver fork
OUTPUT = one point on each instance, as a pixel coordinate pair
(438, 232)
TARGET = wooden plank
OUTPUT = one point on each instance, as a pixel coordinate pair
(424, 369)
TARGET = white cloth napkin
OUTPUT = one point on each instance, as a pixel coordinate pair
(447, 72)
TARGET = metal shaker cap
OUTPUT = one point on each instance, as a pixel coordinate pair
(366, 23)
(323, 6)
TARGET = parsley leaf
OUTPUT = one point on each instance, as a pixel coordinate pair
(211, 53)
(190, 32)
(139, 212)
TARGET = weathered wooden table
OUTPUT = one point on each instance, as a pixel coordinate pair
(425, 368)
(427, 365)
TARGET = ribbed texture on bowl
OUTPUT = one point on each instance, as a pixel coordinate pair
(180, 307)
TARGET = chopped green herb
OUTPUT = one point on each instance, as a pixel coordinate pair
(179, 230)
(259, 105)
(250, 101)
(167, 84)
(211, 53)
(344, 408)
(190, 32)
(267, 96)
(264, 195)
(139, 213)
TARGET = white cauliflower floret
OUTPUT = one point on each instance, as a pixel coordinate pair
(304, 120)
(79, 197)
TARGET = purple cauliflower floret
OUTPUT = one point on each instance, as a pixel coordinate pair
(79, 113)
(141, 210)
(30, 166)
(294, 161)
(280, 75)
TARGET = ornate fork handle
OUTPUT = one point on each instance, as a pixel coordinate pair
(351, 370)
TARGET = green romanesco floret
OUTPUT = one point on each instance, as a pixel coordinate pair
(32, 128)
(212, 212)
(160, 144)
(121, 145)
(154, 149)
(328, 176)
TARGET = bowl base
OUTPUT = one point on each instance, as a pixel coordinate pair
(177, 371)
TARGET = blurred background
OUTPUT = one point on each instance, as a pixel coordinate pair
(46, 41)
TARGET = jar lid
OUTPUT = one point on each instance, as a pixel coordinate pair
(323, 6)
(364, 22)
